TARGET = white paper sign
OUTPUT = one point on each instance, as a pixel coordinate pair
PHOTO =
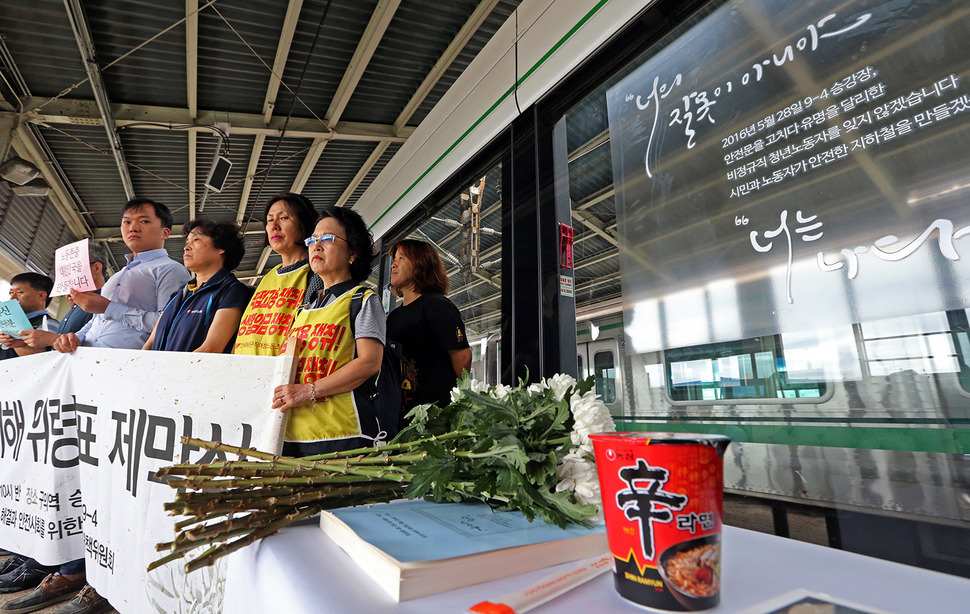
(72, 269)
(80, 438)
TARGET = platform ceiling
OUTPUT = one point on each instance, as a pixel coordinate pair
(112, 99)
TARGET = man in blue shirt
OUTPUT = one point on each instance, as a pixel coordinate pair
(32, 291)
(132, 300)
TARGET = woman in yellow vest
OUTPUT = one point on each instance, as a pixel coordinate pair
(335, 357)
(265, 323)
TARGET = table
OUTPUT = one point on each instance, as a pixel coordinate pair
(301, 570)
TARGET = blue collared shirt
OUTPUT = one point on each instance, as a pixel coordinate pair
(138, 293)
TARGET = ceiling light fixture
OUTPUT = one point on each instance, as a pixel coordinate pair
(34, 187)
(18, 171)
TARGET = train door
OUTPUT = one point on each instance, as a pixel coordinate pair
(602, 359)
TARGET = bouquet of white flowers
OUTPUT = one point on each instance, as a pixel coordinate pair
(524, 448)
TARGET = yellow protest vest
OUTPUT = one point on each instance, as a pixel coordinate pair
(324, 344)
(270, 313)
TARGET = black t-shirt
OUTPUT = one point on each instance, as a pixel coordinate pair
(427, 329)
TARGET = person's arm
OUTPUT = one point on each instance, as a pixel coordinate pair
(370, 353)
(38, 338)
(461, 360)
(22, 348)
(151, 338)
(224, 325)
(91, 302)
(12, 343)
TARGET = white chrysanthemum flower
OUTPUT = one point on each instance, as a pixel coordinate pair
(590, 415)
(560, 384)
(537, 389)
(497, 392)
(500, 391)
(577, 469)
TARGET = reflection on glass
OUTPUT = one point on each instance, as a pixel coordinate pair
(605, 370)
(746, 369)
(466, 232)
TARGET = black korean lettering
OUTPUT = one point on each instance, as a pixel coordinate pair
(12, 425)
(648, 504)
(84, 416)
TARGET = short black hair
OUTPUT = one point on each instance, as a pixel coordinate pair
(225, 235)
(37, 282)
(161, 211)
(300, 206)
(359, 240)
(98, 253)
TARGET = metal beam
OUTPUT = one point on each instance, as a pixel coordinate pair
(192, 87)
(309, 163)
(438, 70)
(369, 41)
(85, 45)
(192, 173)
(282, 53)
(250, 175)
(85, 112)
(362, 173)
(192, 56)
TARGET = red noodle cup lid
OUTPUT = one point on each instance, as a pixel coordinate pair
(642, 438)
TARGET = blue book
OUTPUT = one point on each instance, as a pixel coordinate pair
(13, 319)
(417, 548)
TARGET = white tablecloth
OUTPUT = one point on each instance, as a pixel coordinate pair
(301, 570)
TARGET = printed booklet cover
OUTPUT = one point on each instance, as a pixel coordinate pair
(418, 548)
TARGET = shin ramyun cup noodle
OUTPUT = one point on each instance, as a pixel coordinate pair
(663, 501)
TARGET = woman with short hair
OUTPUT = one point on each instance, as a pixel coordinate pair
(289, 219)
(336, 357)
(428, 325)
(204, 315)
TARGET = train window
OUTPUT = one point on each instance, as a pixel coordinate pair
(960, 332)
(605, 370)
(579, 367)
(749, 369)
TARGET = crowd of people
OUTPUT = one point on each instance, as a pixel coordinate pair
(315, 297)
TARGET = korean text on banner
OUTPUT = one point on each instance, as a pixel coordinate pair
(81, 436)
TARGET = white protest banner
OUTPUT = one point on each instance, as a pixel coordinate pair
(82, 435)
(40, 501)
(72, 269)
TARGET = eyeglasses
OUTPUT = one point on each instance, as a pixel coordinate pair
(321, 239)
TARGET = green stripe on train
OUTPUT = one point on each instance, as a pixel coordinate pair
(939, 440)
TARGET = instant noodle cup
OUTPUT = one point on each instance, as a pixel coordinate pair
(663, 500)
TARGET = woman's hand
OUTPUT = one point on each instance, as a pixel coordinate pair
(292, 395)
